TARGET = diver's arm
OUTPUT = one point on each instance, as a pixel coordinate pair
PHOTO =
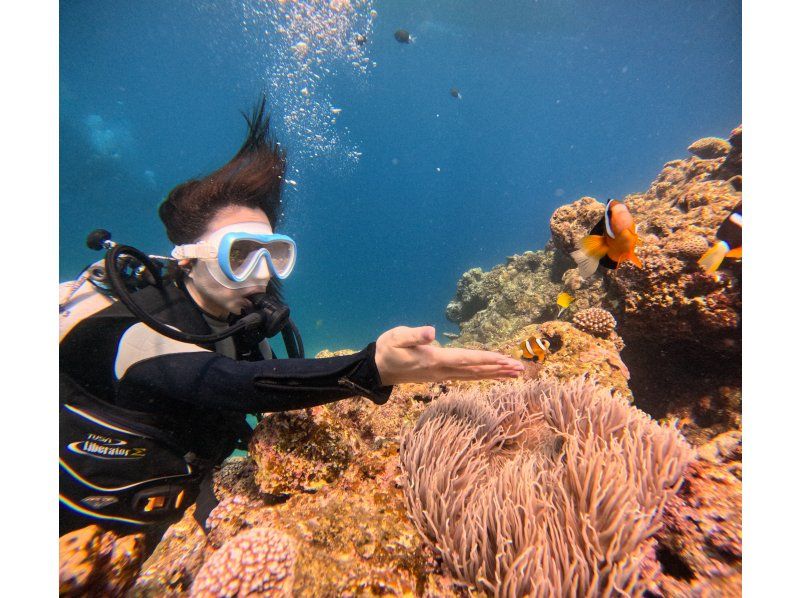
(206, 379)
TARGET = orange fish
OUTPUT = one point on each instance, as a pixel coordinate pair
(729, 242)
(613, 240)
(534, 349)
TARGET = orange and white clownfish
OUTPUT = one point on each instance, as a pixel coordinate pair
(534, 349)
(729, 242)
(613, 240)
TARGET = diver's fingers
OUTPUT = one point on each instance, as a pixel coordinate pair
(481, 371)
(469, 357)
(404, 336)
(504, 375)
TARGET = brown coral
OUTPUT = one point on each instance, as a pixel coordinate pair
(690, 247)
(596, 321)
(259, 562)
(710, 147)
(700, 544)
(94, 562)
(300, 451)
(570, 223)
(541, 488)
(224, 520)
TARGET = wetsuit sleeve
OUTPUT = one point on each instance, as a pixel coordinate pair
(211, 380)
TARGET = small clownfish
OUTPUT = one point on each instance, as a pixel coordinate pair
(563, 301)
(729, 243)
(612, 241)
(534, 349)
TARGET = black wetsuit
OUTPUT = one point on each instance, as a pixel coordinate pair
(144, 419)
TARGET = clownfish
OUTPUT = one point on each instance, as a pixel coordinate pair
(729, 242)
(534, 349)
(613, 240)
(563, 301)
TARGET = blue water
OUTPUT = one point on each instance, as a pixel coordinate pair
(559, 99)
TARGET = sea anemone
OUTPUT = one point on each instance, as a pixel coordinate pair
(541, 488)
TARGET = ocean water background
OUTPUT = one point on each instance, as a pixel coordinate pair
(409, 187)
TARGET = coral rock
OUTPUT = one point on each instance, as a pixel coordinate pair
(700, 544)
(169, 571)
(235, 477)
(690, 247)
(512, 296)
(596, 321)
(259, 562)
(580, 354)
(470, 297)
(572, 280)
(300, 451)
(570, 223)
(94, 562)
(224, 521)
(710, 147)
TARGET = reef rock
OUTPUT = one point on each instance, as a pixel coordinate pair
(578, 354)
(699, 549)
(172, 567)
(514, 295)
(97, 563)
(709, 148)
(259, 562)
(670, 299)
(570, 223)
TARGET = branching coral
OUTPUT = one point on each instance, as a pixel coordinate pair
(541, 488)
(595, 320)
(259, 562)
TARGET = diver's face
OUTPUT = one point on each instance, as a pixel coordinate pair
(213, 297)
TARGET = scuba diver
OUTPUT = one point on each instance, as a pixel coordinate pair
(161, 359)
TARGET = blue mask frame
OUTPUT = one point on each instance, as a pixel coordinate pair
(227, 241)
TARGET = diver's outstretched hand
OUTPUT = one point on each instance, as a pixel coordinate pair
(405, 354)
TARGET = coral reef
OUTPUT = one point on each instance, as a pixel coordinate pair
(596, 321)
(225, 520)
(709, 148)
(700, 545)
(300, 451)
(671, 300)
(579, 354)
(172, 567)
(94, 562)
(329, 478)
(256, 563)
(681, 326)
(512, 296)
(673, 316)
(352, 534)
(541, 488)
(570, 223)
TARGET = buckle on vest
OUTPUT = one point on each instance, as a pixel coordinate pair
(158, 498)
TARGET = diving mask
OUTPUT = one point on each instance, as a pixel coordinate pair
(242, 255)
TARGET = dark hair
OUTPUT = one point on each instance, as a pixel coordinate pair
(253, 178)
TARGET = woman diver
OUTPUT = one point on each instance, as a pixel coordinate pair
(154, 393)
